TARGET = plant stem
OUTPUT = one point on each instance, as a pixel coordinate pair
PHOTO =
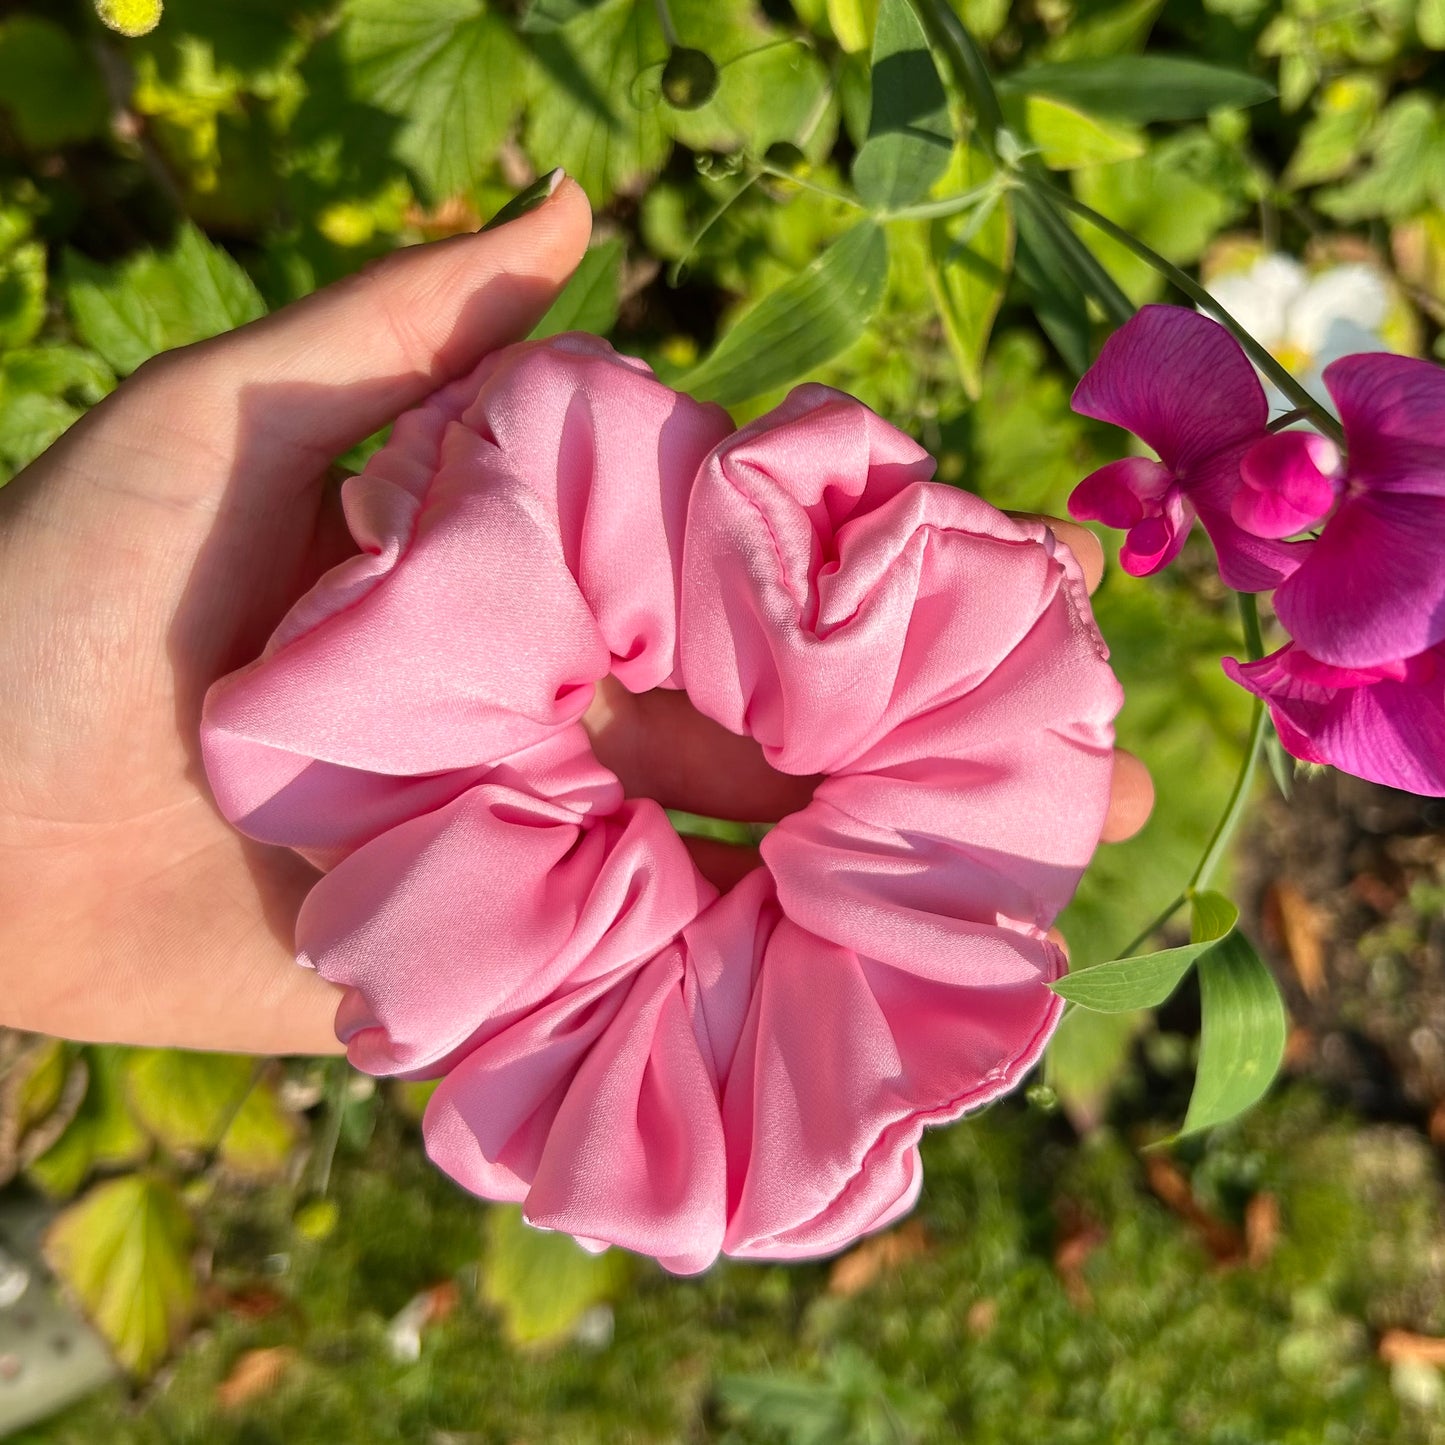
(1258, 724)
(943, 205)
(1131, 948)
(1196, 293)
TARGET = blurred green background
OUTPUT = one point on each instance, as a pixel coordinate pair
(263, 1244)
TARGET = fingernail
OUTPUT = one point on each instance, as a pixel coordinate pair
(528, 200)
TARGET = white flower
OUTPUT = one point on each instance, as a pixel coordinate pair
(1307, 320)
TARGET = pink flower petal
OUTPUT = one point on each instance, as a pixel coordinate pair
(1372, 588)
(1393, 410)
(1177, 380)
(1390, 731)
(1121, 494)
(1289, 483)
(1246, 562)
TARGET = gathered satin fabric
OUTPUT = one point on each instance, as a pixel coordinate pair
(636, 1059)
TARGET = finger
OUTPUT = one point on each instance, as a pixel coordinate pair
(661, 747)
(1131, 798)
(338, 365)
(724, 865)
(1084, 545)
(1079, 540)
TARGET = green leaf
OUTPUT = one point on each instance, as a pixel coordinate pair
(157, 300)
(808, 320)
(540, 1282)
(1329, 145)
(587, 114)
(589, 300)
(261, 1135)
(103, 1135)
(1066, 138)
(1430, 23)
(453, 74)
(851, 22)
(1059, 304)
(43, 389)
(910, 136)
(1242, 1036)
(49, 86)
(971, 257)
(769, 88)
(124, 1249)
(22, 294)
(1145, 980)
(1141, 88)
(187, 1100)
(1407, 165)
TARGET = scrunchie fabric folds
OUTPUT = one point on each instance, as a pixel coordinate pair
(636, 1059)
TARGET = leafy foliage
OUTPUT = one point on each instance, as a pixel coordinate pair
(785, 192)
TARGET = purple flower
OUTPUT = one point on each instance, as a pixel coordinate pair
(1371, 590)
(1182, 384)
(1384, 723)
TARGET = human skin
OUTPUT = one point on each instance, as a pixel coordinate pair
(154, 548)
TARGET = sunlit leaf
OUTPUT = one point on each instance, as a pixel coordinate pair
(851, 22)
(1329, 145)
(969, 271)
(194, 1103)
(1141, 88)
(451, 71)
(124, 1249)
(48, 85)
(910, 136)
(805, 322)
(1066, 138)
(1242, 1035)
(22, 294)
(540, 1282)
(103, 1133)
(590, 113)
(589, 300)
(157, 300)
(187, 1099)
(1145, 980)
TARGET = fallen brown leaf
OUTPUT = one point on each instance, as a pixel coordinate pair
(1168, 1181)
(1301, 927)
(1261, 1229)
(1437, 1125)
(1069, 1259)
(878, 1254)
(1402, 1347)
(253, 1374)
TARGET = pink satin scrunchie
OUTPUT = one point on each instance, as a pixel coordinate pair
(637, 1060)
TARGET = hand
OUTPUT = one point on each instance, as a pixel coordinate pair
(152, 550)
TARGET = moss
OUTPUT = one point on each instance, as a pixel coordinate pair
(979, 1337)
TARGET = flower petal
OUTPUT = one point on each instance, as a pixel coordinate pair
(1290, 480)
(1179, 381)
(1121, 494)
(1390, 731)
(1393, 410)
(1372, 588)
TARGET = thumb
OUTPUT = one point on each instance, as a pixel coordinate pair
(358, 352)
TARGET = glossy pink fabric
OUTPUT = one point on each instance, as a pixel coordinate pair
(637, 1060)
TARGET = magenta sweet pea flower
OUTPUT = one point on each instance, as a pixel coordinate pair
(1371, 590)
(1180, 383)
(1385, 723)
